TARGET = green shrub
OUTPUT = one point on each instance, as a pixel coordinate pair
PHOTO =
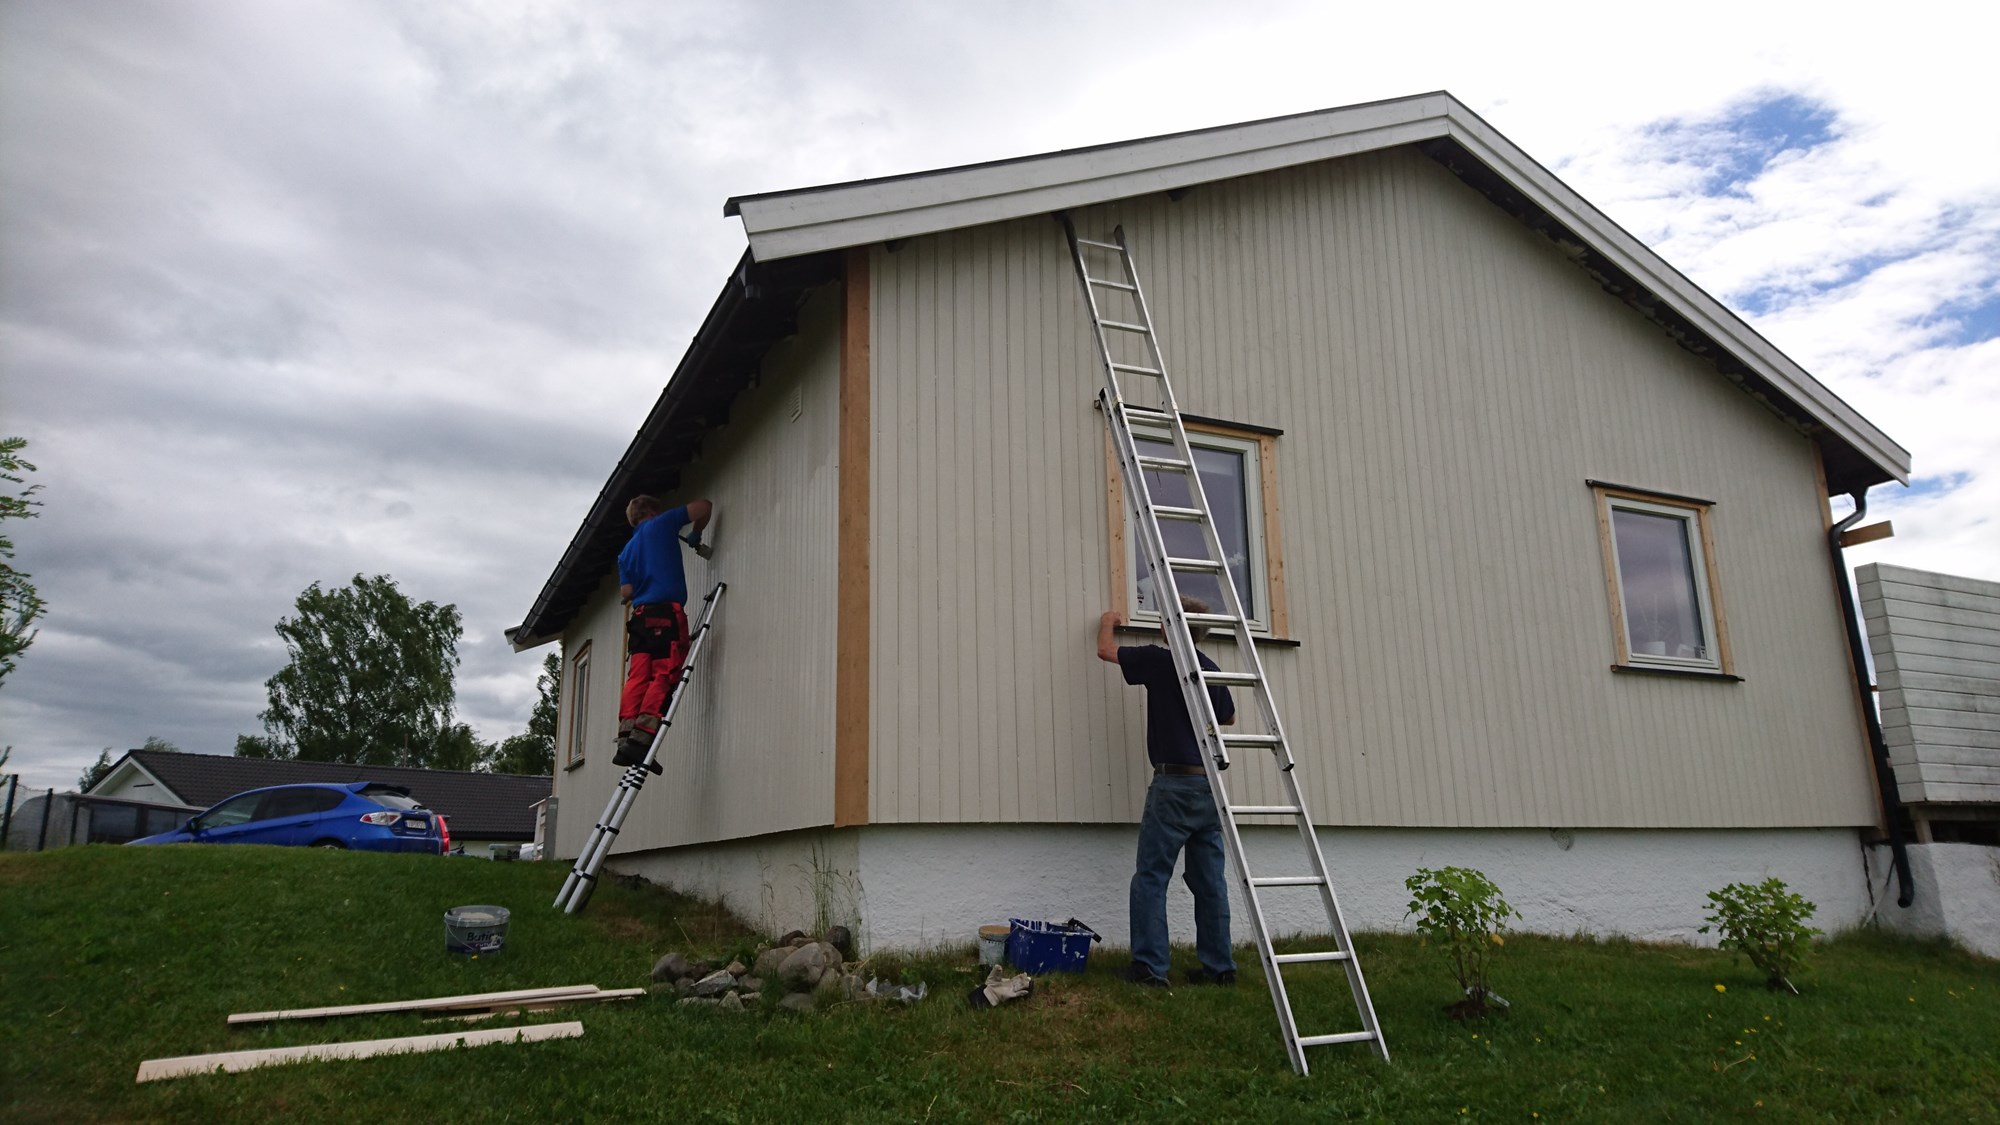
(1461, 911)
(1767, 923)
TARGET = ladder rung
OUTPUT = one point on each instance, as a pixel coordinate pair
(1135, 369)
(1195, 566)
(1147, 415)
(1125, 326)
(1167, 512)
(1099, 245)
(1250, 739)
(1330, 1040)
(1302, 958)
(1289, 881)
(1164, 464)
(1226, 679)
(1265, 810)
(1212, 619)
(1114, 285)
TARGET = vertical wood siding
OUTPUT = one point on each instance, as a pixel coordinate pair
(752, 748)
(1936, 641)
(1446, 382)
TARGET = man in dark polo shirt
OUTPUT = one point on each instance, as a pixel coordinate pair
(1180, 814)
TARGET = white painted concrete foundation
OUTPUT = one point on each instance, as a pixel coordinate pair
(1958, 894)
(921, 886)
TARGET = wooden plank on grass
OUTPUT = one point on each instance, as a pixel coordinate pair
(518, 1007)
(232, 1061)
(445, 1003)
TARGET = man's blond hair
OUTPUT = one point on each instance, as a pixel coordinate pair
(641, 508)
(1192, 604)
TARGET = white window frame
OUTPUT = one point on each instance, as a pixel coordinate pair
(1259, 546)
(1693, 515)
(575, 698)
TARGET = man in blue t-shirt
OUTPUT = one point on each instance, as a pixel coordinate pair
(652, 582)
(1180, 813)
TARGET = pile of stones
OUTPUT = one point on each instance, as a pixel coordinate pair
(805, 969)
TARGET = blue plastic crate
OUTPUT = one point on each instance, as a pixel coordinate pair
(1049, 947)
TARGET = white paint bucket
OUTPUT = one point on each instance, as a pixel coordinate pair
(993, 944)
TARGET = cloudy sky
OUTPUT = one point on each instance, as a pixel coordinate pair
(292, 290)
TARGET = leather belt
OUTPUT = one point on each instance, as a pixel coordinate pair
(1172, 770)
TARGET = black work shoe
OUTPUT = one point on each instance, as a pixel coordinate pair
(1226, 977)
(1140, 974)
(632, 751)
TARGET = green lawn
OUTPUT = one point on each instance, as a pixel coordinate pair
(109, 956)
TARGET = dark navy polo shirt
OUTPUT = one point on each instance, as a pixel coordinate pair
(1169, 734)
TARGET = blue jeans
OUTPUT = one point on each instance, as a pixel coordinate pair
(1180, 814)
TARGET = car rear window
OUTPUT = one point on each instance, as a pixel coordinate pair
(389, 798)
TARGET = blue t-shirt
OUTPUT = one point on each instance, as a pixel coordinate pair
(1169, 734)
(651, 560)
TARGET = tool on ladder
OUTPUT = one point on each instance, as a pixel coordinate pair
(1118, 311)
(583, 877)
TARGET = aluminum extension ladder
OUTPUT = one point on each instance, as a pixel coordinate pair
(583, 877)
(1118, 311)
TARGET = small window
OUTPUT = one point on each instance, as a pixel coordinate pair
(1659, 562)
(1236, 469)
(575, 700)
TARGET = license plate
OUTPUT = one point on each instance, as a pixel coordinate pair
(414, 824)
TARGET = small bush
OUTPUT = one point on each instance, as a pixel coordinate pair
(1461, 910)
(1767, 923)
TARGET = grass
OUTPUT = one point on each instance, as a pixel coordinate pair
(113, 955)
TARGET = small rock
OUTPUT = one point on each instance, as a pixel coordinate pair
(731, 1003)
(804, 967)
(797, 1002)
(714, 984)
(769, 960)
(736, 968)
(752, 985)
(672, 967)
(684, 986)
(697, 1002)
(830, 986)
(794, 939)
(842, 939)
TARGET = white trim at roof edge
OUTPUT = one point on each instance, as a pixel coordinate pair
(129, 764)
(809, 220)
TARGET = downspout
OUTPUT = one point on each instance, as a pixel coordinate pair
(1885, 774)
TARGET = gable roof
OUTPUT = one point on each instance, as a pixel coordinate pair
(818, 219)
(796, 238)
(479, 806)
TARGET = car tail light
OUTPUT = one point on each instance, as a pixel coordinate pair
(444, 830)
(385, 817)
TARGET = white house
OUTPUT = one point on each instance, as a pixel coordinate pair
(1535, 532)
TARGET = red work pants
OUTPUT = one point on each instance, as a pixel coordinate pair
(659, 642)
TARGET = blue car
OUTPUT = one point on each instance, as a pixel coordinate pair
(364, 815)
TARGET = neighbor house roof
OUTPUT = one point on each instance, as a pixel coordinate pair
(478, 806)
(808, 227)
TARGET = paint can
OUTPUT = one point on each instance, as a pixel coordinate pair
(992, 944)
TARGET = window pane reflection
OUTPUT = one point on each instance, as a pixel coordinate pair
(1223, 479)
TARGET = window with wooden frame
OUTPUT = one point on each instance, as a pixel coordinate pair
(576, 700)
(1659, 566)
(1238, 469)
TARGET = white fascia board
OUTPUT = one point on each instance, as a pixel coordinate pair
(125, 775)
(788, 224)
(1673, 287)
